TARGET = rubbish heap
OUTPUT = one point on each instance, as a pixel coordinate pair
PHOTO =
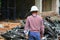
(50, 31)
(52, 28)
(16, 33)
(52, 25)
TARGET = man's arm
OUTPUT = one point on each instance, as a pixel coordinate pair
(26, 28)
(42, 28)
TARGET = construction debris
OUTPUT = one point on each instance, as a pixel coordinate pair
(5, 26)
(49, 13)
(55, 18)
(16, 33)
(1, 38)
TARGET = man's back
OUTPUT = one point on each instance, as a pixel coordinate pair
(35, 22)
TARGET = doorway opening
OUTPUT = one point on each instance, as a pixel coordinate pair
(23, 7)
(15, 9)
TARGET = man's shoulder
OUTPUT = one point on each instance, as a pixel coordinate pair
(40, 17)
(29, 17)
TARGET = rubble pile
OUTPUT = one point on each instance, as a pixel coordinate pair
(5, 26)
(16, 33)
(1, 38)
(50, 32)
(49, 13)
(52, 25)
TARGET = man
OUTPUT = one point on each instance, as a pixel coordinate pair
(34, 25)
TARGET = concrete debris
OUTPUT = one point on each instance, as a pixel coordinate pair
(49, 13)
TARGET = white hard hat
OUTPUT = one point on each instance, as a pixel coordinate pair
(33, 8)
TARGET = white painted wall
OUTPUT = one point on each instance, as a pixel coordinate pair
(53, 5)
(38, 3)
(59, 3)
(57, 6)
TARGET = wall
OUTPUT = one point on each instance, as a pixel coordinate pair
(59, 3)
(23, 8)
(50, 5)
(55, 6)
(38, 3)
(59, 6)
(46, 5)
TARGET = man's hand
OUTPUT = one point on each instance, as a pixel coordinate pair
(41, 35)
(26, 36)
(26, 33)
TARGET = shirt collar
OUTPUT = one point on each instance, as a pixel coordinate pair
(34, 15)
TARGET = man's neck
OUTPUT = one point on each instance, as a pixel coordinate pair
(34, 14)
